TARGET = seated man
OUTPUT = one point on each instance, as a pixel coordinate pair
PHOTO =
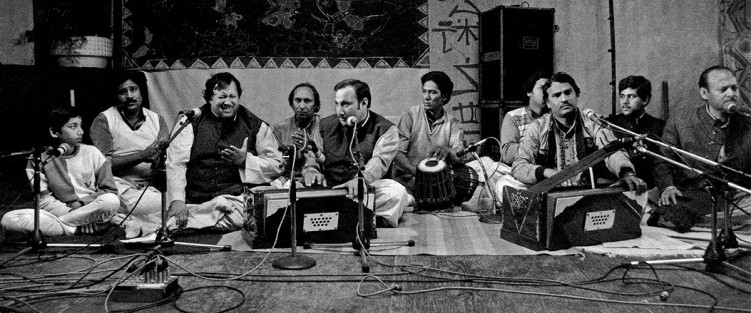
(301, 128)
(562, 137)
(710, 131)
(516, 122)
(635, 93)
(131, 137)
(427, 130)
(377, 142)
(78, 194)
(222, 148)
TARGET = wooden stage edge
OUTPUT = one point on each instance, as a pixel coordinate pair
(416, 283)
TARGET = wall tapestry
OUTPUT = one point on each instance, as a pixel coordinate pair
(176, 34)
(735, 40)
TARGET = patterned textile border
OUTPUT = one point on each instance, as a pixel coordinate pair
(136, 44)
(735, 42)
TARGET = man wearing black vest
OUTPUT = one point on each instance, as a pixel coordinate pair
(377, 142)
(223, 147)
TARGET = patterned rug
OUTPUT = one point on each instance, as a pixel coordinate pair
(463, 234)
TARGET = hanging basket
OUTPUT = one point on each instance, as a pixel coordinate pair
(87, 51)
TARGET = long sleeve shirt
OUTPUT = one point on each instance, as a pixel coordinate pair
(258, 169)
(82, 176)
(526, 167)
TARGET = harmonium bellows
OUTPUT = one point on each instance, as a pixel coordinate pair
(561, 219)
(324, 215)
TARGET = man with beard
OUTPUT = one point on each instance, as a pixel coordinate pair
(302, 128)
(222, 149)
(131, 136)
(635, 93)
(564, 136)
(711, 131)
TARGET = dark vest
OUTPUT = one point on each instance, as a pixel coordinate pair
(338, 167)
(208, 175)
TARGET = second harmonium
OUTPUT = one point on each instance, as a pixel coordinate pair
(324, 215)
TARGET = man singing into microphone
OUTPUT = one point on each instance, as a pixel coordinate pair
(131, 137)
(305, 102)
(428, 130)
(564, 136)
(708, 130)
(377, 142)
(221, 149)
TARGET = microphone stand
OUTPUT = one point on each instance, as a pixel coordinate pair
(36, 238)
(714, 256)
(163, 239)
(293, 261)
(727, 236)
(361, 243)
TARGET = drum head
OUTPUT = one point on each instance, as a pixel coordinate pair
(431, 165)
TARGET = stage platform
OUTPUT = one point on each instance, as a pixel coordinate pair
(584, 279)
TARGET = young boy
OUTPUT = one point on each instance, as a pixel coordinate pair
(78, 194)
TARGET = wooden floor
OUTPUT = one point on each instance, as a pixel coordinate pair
(332, 285)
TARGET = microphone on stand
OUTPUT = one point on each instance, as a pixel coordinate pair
(62, 149)
(734, 108)
(593, 117)
(191, 113)
(470, 148)
(624, 141)
(352, 121)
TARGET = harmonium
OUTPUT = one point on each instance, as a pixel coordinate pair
(547, 217)
(324, 215)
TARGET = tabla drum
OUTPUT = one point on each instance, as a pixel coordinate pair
(433, 187)
(465, 181)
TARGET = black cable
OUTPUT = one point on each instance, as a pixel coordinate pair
(169, 299)
(206, 287)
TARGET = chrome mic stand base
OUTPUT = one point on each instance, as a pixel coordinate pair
(294, 262)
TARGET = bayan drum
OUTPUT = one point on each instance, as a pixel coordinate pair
(465, 181)
(433, 187)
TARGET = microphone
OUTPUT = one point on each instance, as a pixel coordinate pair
(191, 113)
(593, 117)
(470, 148)
(734, 108)
(622, 142)
(62, 149)
(352, 121)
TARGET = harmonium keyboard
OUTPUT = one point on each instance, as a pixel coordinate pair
(546, 217)
(324, 215)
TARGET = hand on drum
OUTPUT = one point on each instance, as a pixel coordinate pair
(351, 187)
(440, 153)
